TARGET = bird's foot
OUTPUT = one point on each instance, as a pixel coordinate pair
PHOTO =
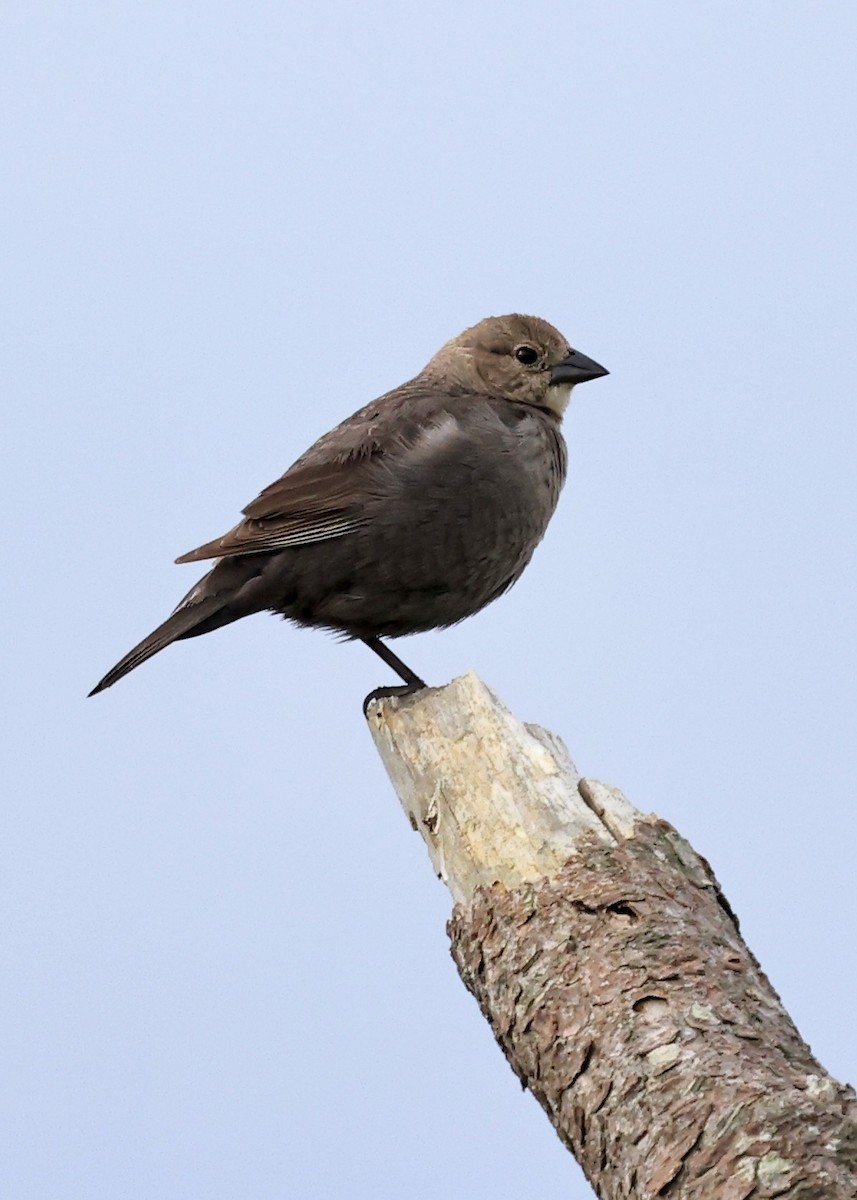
(412, 681)
(386, 693)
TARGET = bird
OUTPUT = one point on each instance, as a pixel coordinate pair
(412, 514)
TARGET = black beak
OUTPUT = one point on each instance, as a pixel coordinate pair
(577, 368)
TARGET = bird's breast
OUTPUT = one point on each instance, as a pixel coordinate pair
(474, 497)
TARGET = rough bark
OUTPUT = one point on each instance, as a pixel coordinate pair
(610, 967)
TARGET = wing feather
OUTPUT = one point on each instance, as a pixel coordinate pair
(312, 502)
(324, 494)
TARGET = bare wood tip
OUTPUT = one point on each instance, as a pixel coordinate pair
(494, 799)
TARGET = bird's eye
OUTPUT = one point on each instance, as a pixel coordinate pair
(527, 355)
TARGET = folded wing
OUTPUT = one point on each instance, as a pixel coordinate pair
(324, 494)
(310, 503)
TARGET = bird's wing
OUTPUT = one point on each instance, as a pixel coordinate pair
(323, 494)
(310, 503)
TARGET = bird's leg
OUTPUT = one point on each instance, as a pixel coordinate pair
(413, 683)
(395, 663)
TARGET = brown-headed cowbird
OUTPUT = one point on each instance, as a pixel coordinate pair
(412, 514)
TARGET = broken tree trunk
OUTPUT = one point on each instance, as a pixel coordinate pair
(610, 967)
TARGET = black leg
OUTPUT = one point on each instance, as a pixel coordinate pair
(413, 683)
(394, 662)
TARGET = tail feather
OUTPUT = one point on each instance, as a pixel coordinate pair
(189, 621)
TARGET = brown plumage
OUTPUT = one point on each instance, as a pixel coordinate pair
(412, 514)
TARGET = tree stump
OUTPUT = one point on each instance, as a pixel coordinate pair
(610, 967)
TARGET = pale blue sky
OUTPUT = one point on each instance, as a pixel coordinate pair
(227, 226)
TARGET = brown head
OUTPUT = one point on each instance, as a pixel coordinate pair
(519, 358)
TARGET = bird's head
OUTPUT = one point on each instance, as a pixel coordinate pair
(518, 358)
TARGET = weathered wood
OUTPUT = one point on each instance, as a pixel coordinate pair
(603, 954)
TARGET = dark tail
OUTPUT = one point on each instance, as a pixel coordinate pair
(200, 617)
